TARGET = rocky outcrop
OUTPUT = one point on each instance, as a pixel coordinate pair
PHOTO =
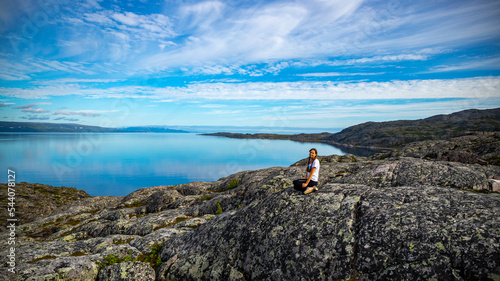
(473, 149)
(34, 200)
(343, 232)
(386, 217)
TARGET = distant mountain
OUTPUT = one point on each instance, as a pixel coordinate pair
(152, 129)
(51, 128)
(29, 127)
(394, 134)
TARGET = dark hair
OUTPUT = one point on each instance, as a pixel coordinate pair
(315, 151)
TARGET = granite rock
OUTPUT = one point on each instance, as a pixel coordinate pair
(377, 218)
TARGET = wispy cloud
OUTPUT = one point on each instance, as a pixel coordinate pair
(334, 74)
(470, 64)
(35, 110)
(66, 119)
(31, 105)
(86, 113)
(317, 90)
(35, 117)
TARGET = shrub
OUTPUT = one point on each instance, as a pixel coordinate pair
(219, 208)
(233, 184)
(153, 258)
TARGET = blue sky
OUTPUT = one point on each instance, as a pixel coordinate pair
(275, 64)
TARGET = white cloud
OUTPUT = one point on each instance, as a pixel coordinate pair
(30, 66)
(457, 24)
(299, 31)
(479, 87)
(469, 64)
(75, 80)
(35, 110)
(333, 74)
(127, 18)
(256, 34)
(86, 113)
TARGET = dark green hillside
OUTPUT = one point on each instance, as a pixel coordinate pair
(394, 134)
(399, 133)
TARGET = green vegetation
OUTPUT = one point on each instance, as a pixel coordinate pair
(153, 258)
(206, 197)
(233, 184)
(219, 208)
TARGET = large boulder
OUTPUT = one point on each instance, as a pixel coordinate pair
(342, 232)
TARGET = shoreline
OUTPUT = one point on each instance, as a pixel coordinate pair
(358, 150)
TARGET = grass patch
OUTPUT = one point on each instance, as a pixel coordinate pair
(219, 208)
(153, 258)
(232, 185)
(205, 197)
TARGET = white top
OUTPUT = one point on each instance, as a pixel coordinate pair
(315, 176)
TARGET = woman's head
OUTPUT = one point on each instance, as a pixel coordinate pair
(313, 153)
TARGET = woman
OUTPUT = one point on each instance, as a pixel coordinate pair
(310, 182)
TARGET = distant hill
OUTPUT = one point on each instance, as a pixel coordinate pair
(398, 133)
(36, 127)
(394, 134)
(152, 129)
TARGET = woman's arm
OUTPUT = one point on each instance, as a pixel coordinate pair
(310, 176)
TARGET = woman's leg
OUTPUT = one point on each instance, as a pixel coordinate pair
(312, 186)
(312, 183)
(297, 184)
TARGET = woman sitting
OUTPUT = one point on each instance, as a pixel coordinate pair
(310, 182)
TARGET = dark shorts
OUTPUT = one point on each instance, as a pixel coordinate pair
(297, 184)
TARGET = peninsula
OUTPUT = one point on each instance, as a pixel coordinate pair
(394, 134)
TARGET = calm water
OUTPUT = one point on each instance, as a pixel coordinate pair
(118, 164)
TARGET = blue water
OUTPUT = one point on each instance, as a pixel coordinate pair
(118, 164)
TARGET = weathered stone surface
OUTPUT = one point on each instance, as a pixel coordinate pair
(346, 231)
(127, 271)
(411, 172)
(481, 148)
(377, 218)
(34, 200)
(495, 186)
(64, 268)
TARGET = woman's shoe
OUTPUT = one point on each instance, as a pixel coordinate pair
(310, 189)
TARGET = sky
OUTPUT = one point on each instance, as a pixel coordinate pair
(316, 64)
